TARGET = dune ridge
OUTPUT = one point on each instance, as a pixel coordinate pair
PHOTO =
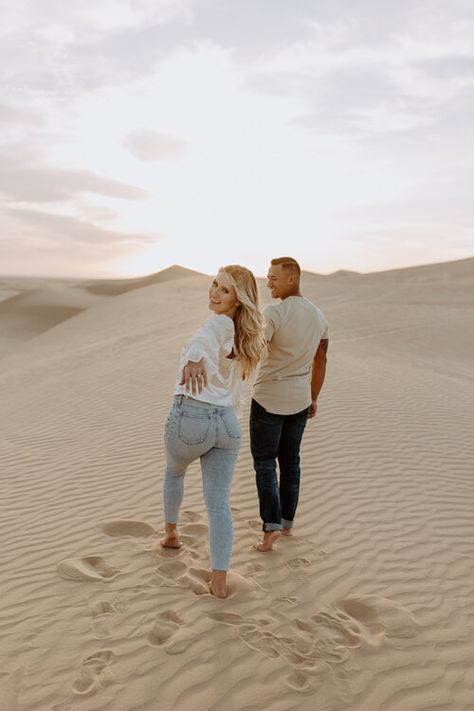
(368, 607)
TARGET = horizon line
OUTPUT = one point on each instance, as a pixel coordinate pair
(199, 273)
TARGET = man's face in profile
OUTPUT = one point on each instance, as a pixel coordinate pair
(280, 281)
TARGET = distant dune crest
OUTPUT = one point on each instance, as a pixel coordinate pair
(114, 287)
(32, 306)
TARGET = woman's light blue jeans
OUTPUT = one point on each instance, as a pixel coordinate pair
(193, 430)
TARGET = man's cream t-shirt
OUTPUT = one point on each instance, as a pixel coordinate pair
(294, 328)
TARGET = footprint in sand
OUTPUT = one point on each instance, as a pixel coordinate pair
(170, 633)
(362, 620)
(296, 563)
(333, 636)
(167, 624)
(377, 618)
(253, 568)
(91, 567)
(171, 572)
(258, 573)
(230, 618)
(255, 634)
(128, 527)
(274, 645)
(95, 673)
(254, 525)
(299, 681)
(197, 579)
(102, 614)
(350, 624)
(304, 644)
(311, 647)
(172, 568)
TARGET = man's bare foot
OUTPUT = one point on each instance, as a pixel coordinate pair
(269, 538)
(171, 539)
(287, 531)
(217, 584)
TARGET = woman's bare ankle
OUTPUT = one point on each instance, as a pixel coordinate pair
(171, 539)
(217, 584)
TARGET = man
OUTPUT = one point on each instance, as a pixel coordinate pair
(285, 394)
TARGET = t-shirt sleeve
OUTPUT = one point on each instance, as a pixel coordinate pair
(325, 329)
(272, 321)
(216, 333)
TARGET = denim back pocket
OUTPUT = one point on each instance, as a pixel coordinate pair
(231, 423)
(193, 427)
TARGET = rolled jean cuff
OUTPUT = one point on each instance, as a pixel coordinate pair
(286, 524)
(272, 527)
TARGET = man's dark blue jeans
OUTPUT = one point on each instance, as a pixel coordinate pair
(275, 437)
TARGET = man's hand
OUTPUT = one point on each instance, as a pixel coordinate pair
(313, 409)
(194, 375)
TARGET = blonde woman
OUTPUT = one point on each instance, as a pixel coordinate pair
(202, 422)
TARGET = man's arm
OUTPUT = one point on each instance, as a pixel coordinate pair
(318, 374)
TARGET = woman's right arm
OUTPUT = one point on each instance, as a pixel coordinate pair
(203, 347)
(195, 376)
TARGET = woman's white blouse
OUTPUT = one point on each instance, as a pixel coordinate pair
(213, 342)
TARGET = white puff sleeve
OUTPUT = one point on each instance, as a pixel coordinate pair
(216, 334)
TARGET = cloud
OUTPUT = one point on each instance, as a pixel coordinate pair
(11, 116)
(21, 183)
(148, 145)
(372, 94)
(34, 242)
(52, 47)
(74, 229)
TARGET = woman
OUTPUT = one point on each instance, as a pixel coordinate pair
(223, 352)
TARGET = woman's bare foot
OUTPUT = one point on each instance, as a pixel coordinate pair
(171, 539)
(269, 538)
(217, 584)
(287, 531)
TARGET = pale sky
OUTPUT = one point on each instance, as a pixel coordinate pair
(136, 134)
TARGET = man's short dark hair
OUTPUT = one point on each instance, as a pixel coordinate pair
(287, 263)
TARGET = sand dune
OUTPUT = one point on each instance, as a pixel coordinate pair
(113, 287)
(29, 307)
(369, 607)
(32, 311)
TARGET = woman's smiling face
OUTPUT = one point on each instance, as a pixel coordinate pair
(222, 296)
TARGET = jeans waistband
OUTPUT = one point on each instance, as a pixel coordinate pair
(182, 400)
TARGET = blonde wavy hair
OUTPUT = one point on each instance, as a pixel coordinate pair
(249, 341)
